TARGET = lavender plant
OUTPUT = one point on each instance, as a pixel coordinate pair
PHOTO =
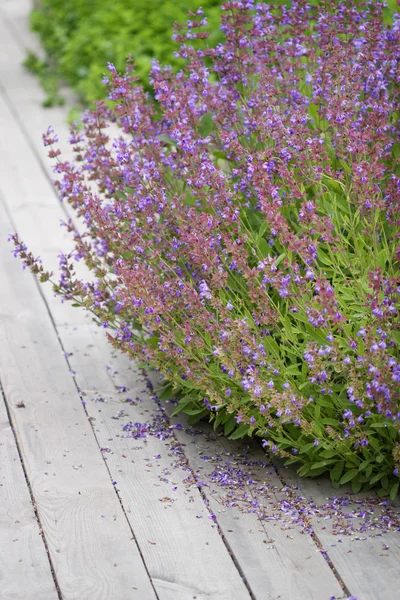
(243, 231)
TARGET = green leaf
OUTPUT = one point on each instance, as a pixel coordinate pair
(240, 432)
(364, 465)
(194, 411)
(306, 448)
(291, 461)
(304, 470)
(374, 443)
(396, 337)
(182, 404)
(206, 125)
(229, 425)
(193, 419)
(153, 341)
(167, 140)
(324, 258)
(376, 478)
(394, 491)
(313, 110)
(317, 472)
(263, 228)
(385, 482)
(322, 463)
(348, 476)
(289, 331)
(382, 258)
(271, 345)
(121, 196)
(263, 247)
(331, 422)
(328, 453)
(337, 471)
(166, 394)
(356, 486)
(219, 154)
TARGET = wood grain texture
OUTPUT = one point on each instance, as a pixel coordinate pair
(367, 562)
(88, 536)
(23, 88)
(279, 561)
(32, 202)
(25, 572)
(181, 545)
(289, 567)
(367, 570)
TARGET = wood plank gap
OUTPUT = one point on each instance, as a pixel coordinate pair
(291, 568)
(150, 388)
(39, 287)
(363, 568)
(15, 36)
(312, 533)
(28, 140)
(140, 575)
(186, 551)
(35, 509)
(98, 443)
(203, 496)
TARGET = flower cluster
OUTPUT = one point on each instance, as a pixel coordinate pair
(243, 230)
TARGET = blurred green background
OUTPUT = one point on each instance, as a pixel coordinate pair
(79, 37)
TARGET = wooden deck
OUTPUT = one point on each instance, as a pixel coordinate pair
(94, 506)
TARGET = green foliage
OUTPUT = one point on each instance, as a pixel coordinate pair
(255, 241)
(80, 37)
(47, 77)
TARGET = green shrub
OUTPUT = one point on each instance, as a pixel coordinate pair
(81, 36)
(243, 235)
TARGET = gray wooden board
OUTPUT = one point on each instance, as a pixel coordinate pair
(182, 547)
(35, 121)
(35, 208)
(274, 556)
(25, 572)
(289, 567)
(357, 562)
(89, 539)
(367, 562)
(296, 568)
(22, 87)
(25, 94)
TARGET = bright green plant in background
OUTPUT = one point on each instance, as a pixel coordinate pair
(81, 36)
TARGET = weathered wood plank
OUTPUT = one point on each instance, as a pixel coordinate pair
(182, 548)
(25, 572)
(367, 567)
(273, 556)
(367, 561)
(23, 88)
(34, 123)
(291, 566)
(89, 539)
(35, 208)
